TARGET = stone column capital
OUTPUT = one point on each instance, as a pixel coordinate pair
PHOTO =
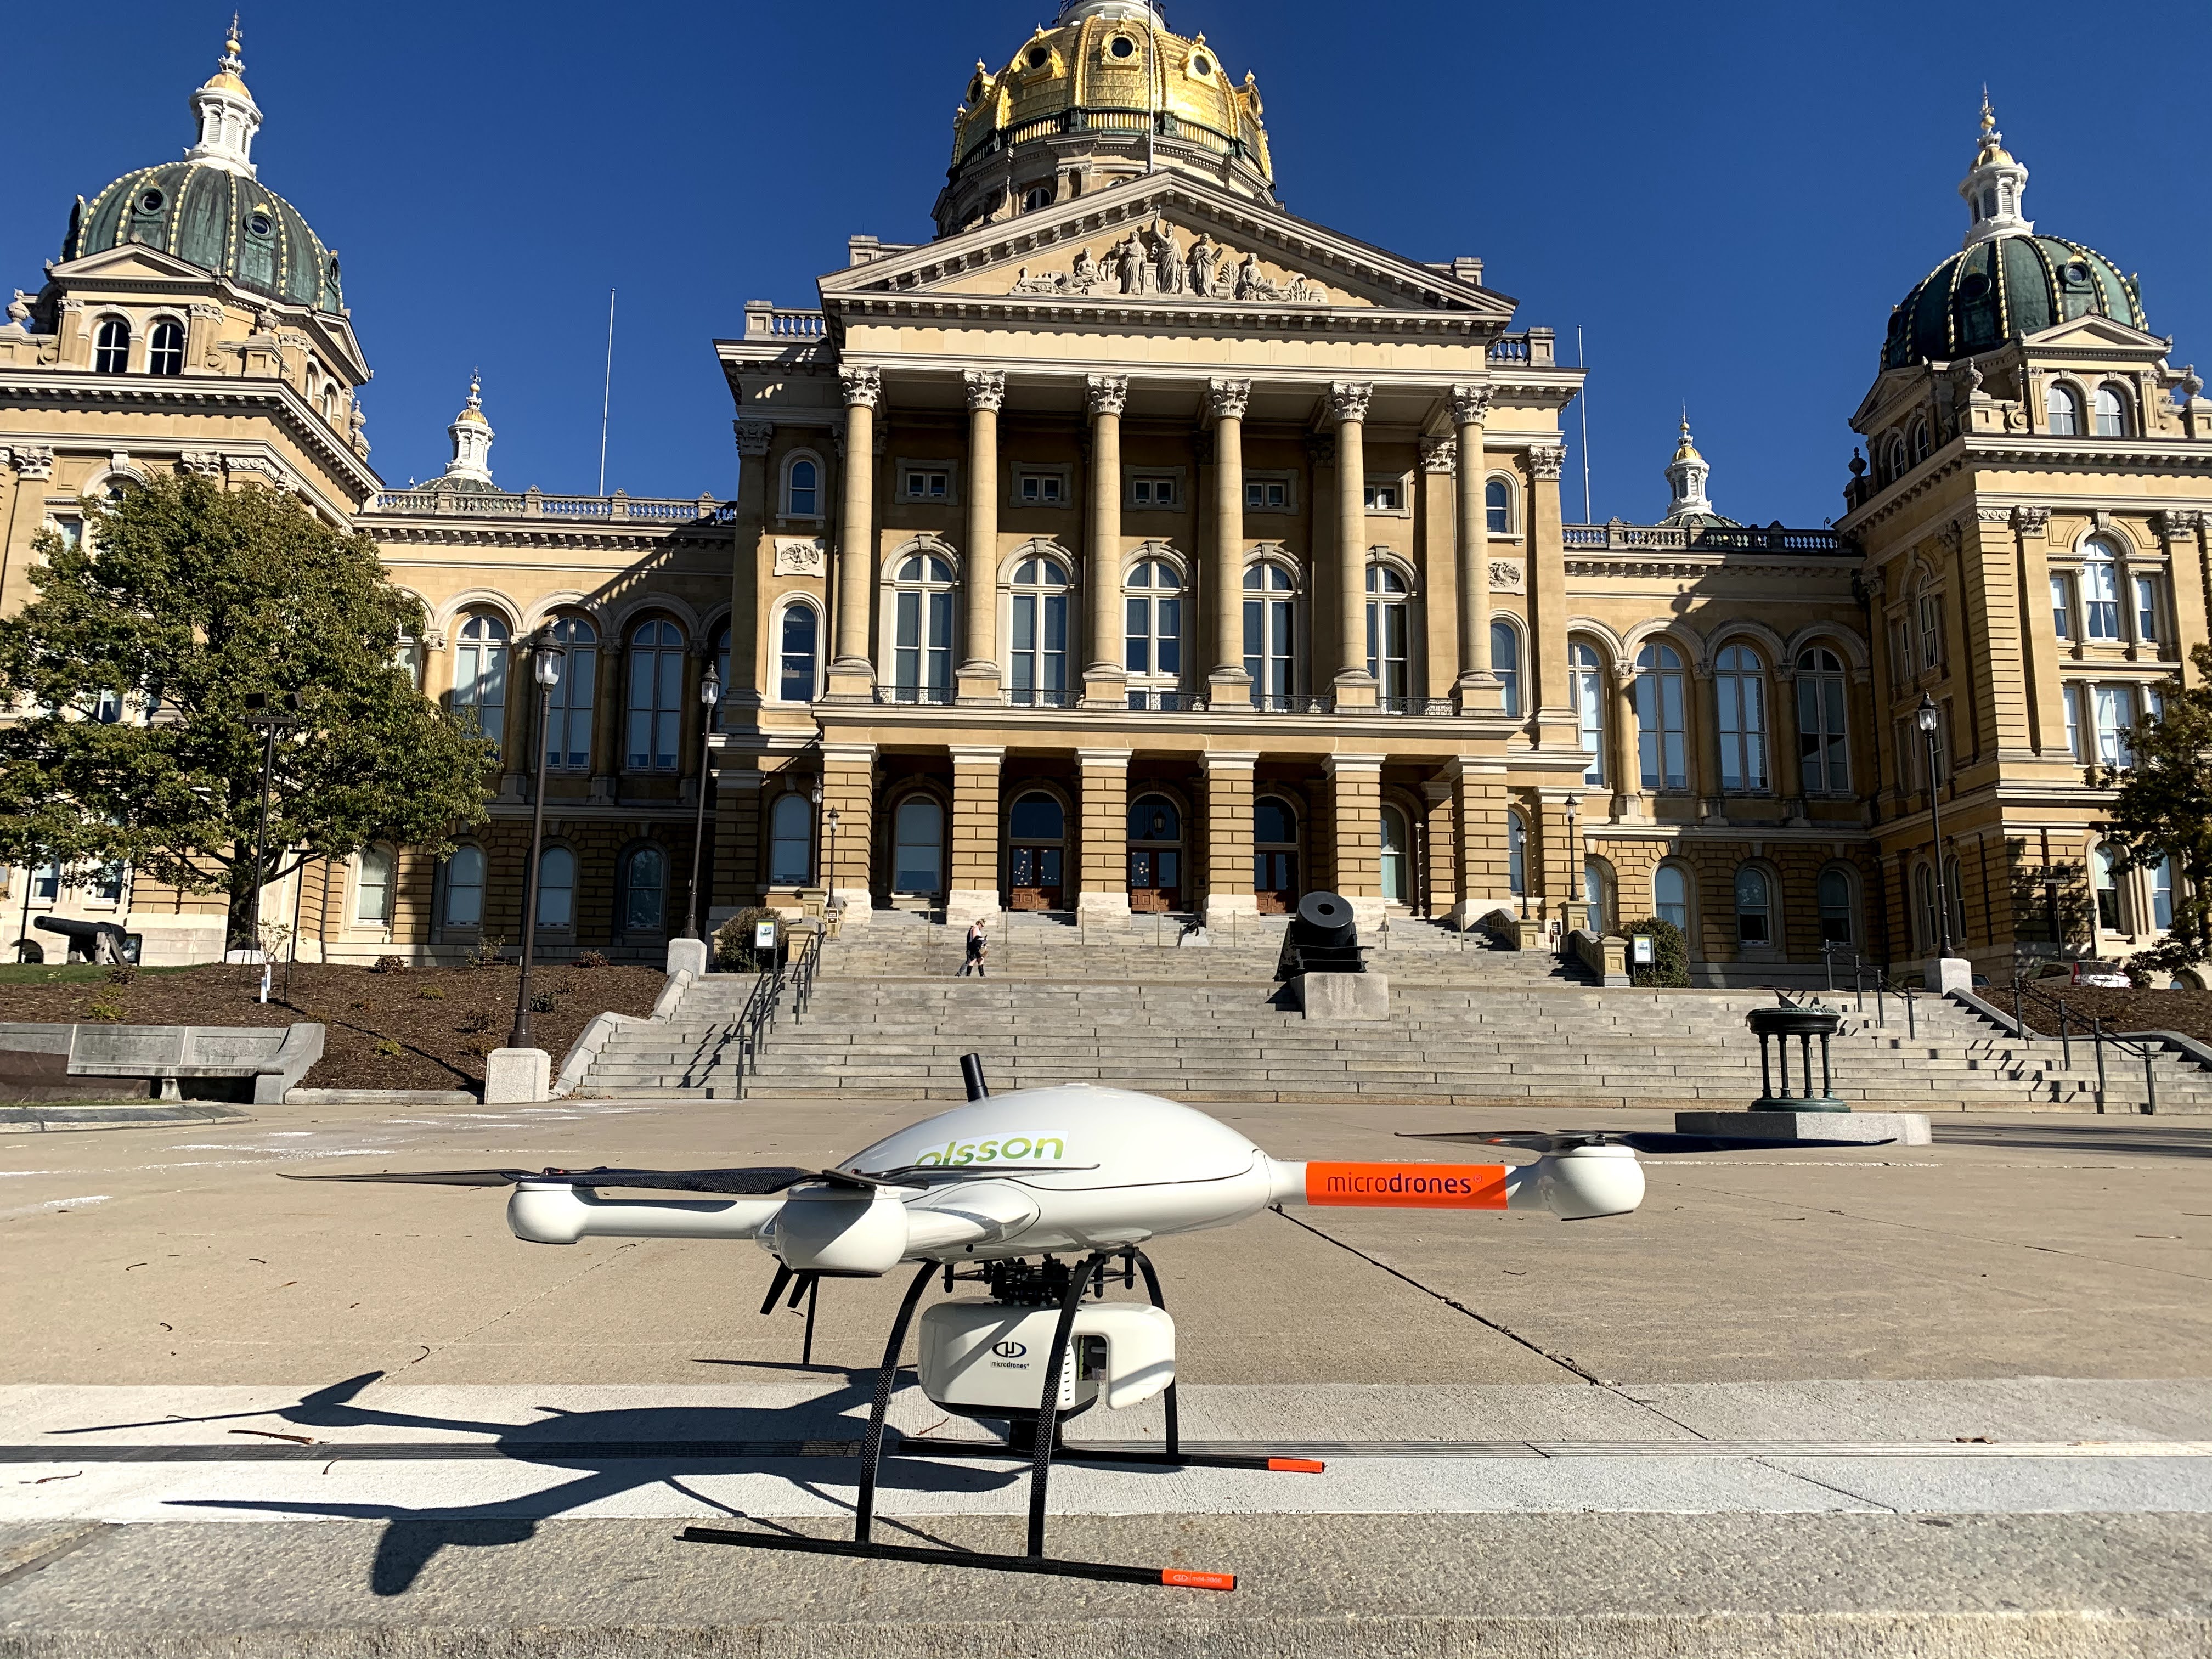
(1117, 759)
(2031, 520)
(1214, 760)
(1351, 766)
(1227, 398)
(1108, 393)
(1547, 462)
(1439, 455)
(861, 386)
(977, 754)
(1470, 404)
(1348, 400)
(753, 436)
(987, 388)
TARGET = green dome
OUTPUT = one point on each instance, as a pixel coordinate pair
(2002, 287)
(215, 218)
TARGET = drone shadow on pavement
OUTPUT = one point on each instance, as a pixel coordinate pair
(612, 1452)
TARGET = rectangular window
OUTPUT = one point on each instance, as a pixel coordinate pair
(1931, 630)
(1040, 489)
(2062, 608)
(2116, 713)
(1900, 651)
(1138, 659)
(71, 531)
(2161, 895)
(1907, 749)
(1151, 492)
(928, 486)
(1273, 494)
(2073, 694)
(1383, 498)
(2146, 627)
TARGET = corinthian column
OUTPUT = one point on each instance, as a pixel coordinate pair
(1228, 686)
(1105, 680)
(852, 675)
(1347, 402)
(1478, 686)
(979, 669)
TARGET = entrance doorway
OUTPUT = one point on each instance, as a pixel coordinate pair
(1397, 859)
(1155, 855)
(1275, 884)
(917, 847)
(1037, 847)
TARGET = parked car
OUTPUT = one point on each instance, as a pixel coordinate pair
(2109, 975)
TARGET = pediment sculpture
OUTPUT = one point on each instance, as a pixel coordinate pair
(1152, 259)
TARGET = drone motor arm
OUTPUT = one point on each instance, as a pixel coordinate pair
(557, 1213)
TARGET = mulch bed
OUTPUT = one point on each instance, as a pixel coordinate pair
(2188, 1012)
(420, 1027)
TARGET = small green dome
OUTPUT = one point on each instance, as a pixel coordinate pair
(216, 218)
(2004, 287)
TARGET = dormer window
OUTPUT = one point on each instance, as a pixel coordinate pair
(1041, 197)
(165, 349)
(111, 352)
(1121, 46)
(1038, 58)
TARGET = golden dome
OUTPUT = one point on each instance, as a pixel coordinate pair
(1111, 75)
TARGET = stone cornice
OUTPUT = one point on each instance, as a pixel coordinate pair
(2123, 456)
(411, 530)
(1684, 567)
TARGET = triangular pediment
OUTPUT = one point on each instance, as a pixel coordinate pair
(129, 262)
(1164, 241)
(2093, 333)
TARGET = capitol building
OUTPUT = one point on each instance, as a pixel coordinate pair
(1130, 545)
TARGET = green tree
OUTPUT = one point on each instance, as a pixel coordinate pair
(181, 600)
(2163, 809)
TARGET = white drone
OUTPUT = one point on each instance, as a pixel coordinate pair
(992, 1193)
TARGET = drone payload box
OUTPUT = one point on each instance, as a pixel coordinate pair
(987, 1359)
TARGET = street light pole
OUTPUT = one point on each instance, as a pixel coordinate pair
(257, 714)
(550, 654)
(1575, 871)
(1927, 718)
(710, 697)
(829, 870)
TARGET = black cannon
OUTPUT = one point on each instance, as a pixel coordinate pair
(1322, 939)
(1796, 1020)
(90, 941)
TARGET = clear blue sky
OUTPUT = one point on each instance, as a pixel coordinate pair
(1727, 197)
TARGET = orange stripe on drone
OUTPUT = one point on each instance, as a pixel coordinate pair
(1407, 1186)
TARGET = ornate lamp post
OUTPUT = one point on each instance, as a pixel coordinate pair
(829, 869)
(1926, 718)
(710, 699)
(548, 656)
(1576, 873)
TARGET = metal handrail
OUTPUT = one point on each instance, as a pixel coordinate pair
(2023, 993)
(802, 975)
(1884, 988)
(750, 1031)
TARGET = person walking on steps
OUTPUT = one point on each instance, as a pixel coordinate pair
(977, 946)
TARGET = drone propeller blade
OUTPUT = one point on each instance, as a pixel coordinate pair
(739, 1182)
(1642, 1140)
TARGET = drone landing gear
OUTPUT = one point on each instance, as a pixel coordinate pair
(1040, 1439)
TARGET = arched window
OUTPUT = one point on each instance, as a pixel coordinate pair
(1037, 197)
(1823, 748)
(2062, 409)
(1505, 662)
(921, 664)
(918, 846)
(790, 841)
(1269, 649)
(2112, 915)
(1396, 858)
(799, 654)
(1155, 855)
(1588, 687)
(1754, 921)
(575, 693)
(656, 696)
(1039, 641)
(802, 489)
(1498, 506)
(2100, 593)
(557, 888)
(1954, 889)
(1597, 894)
(1153, 621)
(165, 353)
(1741, 685)
(480, 676)
(1931, 917)
(1387, 634)
(1274, 855)
(2161, 895)
(722, 673)
(1036, 845)
(111, 347)
(1836, 909)
(372, 889)
(1662, 743)
(1516, 855)
(1895, 464)
(2112, 407)
(645, 890)
(1923, 446)
(1670, 895)
(465, 885)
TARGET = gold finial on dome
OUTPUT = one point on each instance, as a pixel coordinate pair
(1686, 450)
(230, 66)
(1992, 146)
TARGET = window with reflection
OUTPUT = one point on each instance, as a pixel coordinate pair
(2110, 915)
(1837, 908)
(557, 888)
(802, 489)
(371, 890)
(575, 693)
(1269, 619)
(656, 696)
(1039, 642)
(1153, 620)
(790, 841)
(1498, 506)
(921, 660)
(1662, 733)
(1824, 749)
(2111, 412)
(1741, 687)
(1587, 683)
(1387, 635)
(480, 676)
(799, 654)
(1670, 895)
(2062, 410)
(464, 887)
(2100, 593)
(165, 350)
(111, 347)
(1505, 662)
(1755, 920)
(645, 890)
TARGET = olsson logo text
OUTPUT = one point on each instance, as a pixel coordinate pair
(1407, 1186)
(1013, 1148)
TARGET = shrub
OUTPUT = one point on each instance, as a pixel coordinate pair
(106, 1012)
(542, 1002)
(734, 941)
(122, 973)
(390, 1048)
(591, 959)
(388, 965)
(1670, 953)
(487, 953)
(429, 993)
(473, 1023)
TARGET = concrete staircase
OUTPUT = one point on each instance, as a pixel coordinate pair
(885, 1037)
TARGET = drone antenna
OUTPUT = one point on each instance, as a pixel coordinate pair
(971, 1073)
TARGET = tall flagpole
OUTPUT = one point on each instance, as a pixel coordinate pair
(1584, 401)
(607, 395)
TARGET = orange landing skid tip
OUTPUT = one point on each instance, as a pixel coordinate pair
(1297, 1466)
